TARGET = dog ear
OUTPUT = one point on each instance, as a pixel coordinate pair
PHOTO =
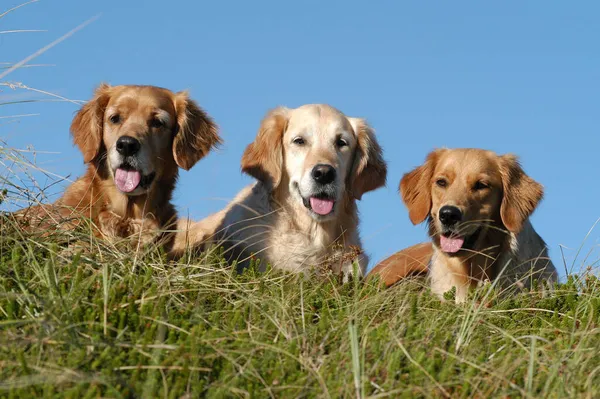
(263, 158)
(369, 171)
(521, 194)
(87, 126)
(196, 133)
(415, 188)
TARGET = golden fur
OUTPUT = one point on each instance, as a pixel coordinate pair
(496, 198)
(172, 132)
(273, 219)
(411, 261)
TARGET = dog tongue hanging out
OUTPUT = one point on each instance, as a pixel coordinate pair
(127, 180)
(321, 206)
(451, 244)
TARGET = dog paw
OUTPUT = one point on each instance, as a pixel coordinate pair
(111, 225)
(144, 231)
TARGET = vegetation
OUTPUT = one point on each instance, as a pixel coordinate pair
(97, 321)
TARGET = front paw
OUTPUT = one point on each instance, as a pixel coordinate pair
(143, 231)
(114, 227)
(111, 225)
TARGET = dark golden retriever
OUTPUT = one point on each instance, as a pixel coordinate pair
(133, 139)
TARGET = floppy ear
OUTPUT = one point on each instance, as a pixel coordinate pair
(263, 159)
(196, 133)
(415, 188)
(521, 194)
(369, 171)
(87, 126)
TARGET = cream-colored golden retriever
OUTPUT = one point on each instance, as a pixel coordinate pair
(311, 164)
(477, 204)
(133, 139)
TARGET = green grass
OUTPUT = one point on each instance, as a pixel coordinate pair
(103, 323)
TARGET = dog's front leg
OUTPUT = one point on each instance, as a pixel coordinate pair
(112, 226)
(144, 231)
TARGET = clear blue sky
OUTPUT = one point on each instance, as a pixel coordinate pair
(509, 76)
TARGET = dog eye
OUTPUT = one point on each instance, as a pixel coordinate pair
(298, 141)
(157, 123)
(116, 118)
(480, 186)
(441, 183)
(341, 143)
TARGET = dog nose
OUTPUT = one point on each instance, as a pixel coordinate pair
(450, 215)
(127, 145)
(323, 174)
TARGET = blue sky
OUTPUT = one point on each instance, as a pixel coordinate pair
(511, 76)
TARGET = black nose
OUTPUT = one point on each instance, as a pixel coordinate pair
(450, 215)
(127, 145)
(323, 174)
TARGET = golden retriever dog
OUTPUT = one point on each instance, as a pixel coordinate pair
(133, 139)
(477, 205)
(312, 163)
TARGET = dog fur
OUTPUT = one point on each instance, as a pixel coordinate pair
(411, 261)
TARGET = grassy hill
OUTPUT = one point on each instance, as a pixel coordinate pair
(99, 322)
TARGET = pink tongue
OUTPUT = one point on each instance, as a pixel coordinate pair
(127, 180)
(451, 245)
(321, 206)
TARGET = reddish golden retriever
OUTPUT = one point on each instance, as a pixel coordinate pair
(477, 205)
(133, 139)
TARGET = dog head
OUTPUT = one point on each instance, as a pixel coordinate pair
(142, 133)
(464, 191)
(318, 155)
